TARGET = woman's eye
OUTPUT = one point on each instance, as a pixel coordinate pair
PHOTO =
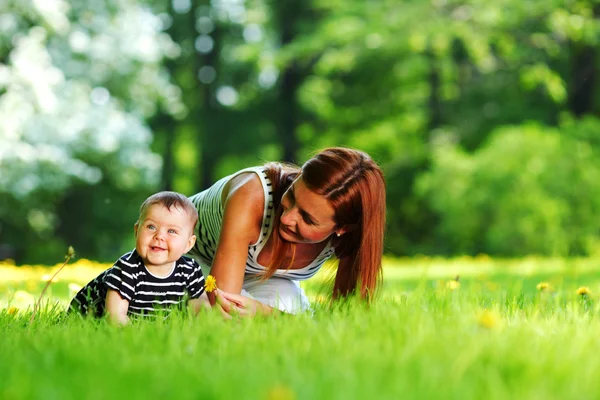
(308, 220)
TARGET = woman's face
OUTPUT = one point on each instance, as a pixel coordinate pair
(307, 217)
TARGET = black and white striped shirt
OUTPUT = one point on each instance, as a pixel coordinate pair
(210, 220)
(147, 294)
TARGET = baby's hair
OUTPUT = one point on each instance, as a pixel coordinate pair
(171, 199)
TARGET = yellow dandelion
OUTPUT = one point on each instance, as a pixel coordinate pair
(321, 299)
(583, 291)
(488, 319)
(12, 310)
(543, 286)
(453, 284)
(281, 392)
(211, 284)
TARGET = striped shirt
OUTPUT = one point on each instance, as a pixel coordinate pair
(210, 220)
(147, 294)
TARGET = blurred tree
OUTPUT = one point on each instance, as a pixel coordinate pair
(77, 80)
(395, 78)
(227, 86)
(530, 189)
(261, 80)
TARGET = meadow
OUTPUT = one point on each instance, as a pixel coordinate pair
(463, 328)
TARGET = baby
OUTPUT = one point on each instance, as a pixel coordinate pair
(155, 277)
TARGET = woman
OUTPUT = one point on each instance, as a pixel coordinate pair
(262, 229)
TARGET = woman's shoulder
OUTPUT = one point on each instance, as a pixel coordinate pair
(246, 185)
(243, 199)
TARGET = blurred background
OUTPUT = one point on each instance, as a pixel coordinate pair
(483, 115)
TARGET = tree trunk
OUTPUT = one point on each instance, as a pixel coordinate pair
(435, 111)
(288, 16)
(583, 80)
(206, 118)
(583, 76)
(168, 170)
(288, 121)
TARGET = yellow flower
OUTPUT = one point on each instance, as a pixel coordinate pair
(543, 286)
(211, 284)
(321, 299)
(12, 310)
(488, 319)
(583, 291)
(281, 392)
(453, 284)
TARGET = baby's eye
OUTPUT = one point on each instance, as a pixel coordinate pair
(173, 231)
(151, 227)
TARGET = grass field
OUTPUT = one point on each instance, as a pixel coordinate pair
(494, 333)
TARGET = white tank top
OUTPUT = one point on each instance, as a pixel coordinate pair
(210, 220)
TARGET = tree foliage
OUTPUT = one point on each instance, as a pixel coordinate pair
(482, 114)
(77, 81)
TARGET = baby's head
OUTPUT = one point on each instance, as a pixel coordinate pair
(164, 230)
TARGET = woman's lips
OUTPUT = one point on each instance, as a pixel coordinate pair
(289, 232)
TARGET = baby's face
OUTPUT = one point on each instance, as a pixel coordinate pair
(163, 236)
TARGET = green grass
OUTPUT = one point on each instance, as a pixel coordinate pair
(494, 337)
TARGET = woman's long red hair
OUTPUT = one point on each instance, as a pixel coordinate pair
(355, 186)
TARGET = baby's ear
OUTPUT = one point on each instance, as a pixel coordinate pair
(191, 242)
(135, 229)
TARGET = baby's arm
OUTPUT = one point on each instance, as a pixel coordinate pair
(116, 307)
(198, 304)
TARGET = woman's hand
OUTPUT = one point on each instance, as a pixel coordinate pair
(235, 304)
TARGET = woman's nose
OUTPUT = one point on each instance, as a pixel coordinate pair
(287, 218)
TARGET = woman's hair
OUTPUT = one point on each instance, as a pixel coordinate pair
(281, 176)
(354, 185)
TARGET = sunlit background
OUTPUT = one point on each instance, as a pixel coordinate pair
(483, 115)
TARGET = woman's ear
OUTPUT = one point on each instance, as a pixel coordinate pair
(344, 229)
(340, 231)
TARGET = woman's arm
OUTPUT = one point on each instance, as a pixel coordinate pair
(116, 307)
(242, 221)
